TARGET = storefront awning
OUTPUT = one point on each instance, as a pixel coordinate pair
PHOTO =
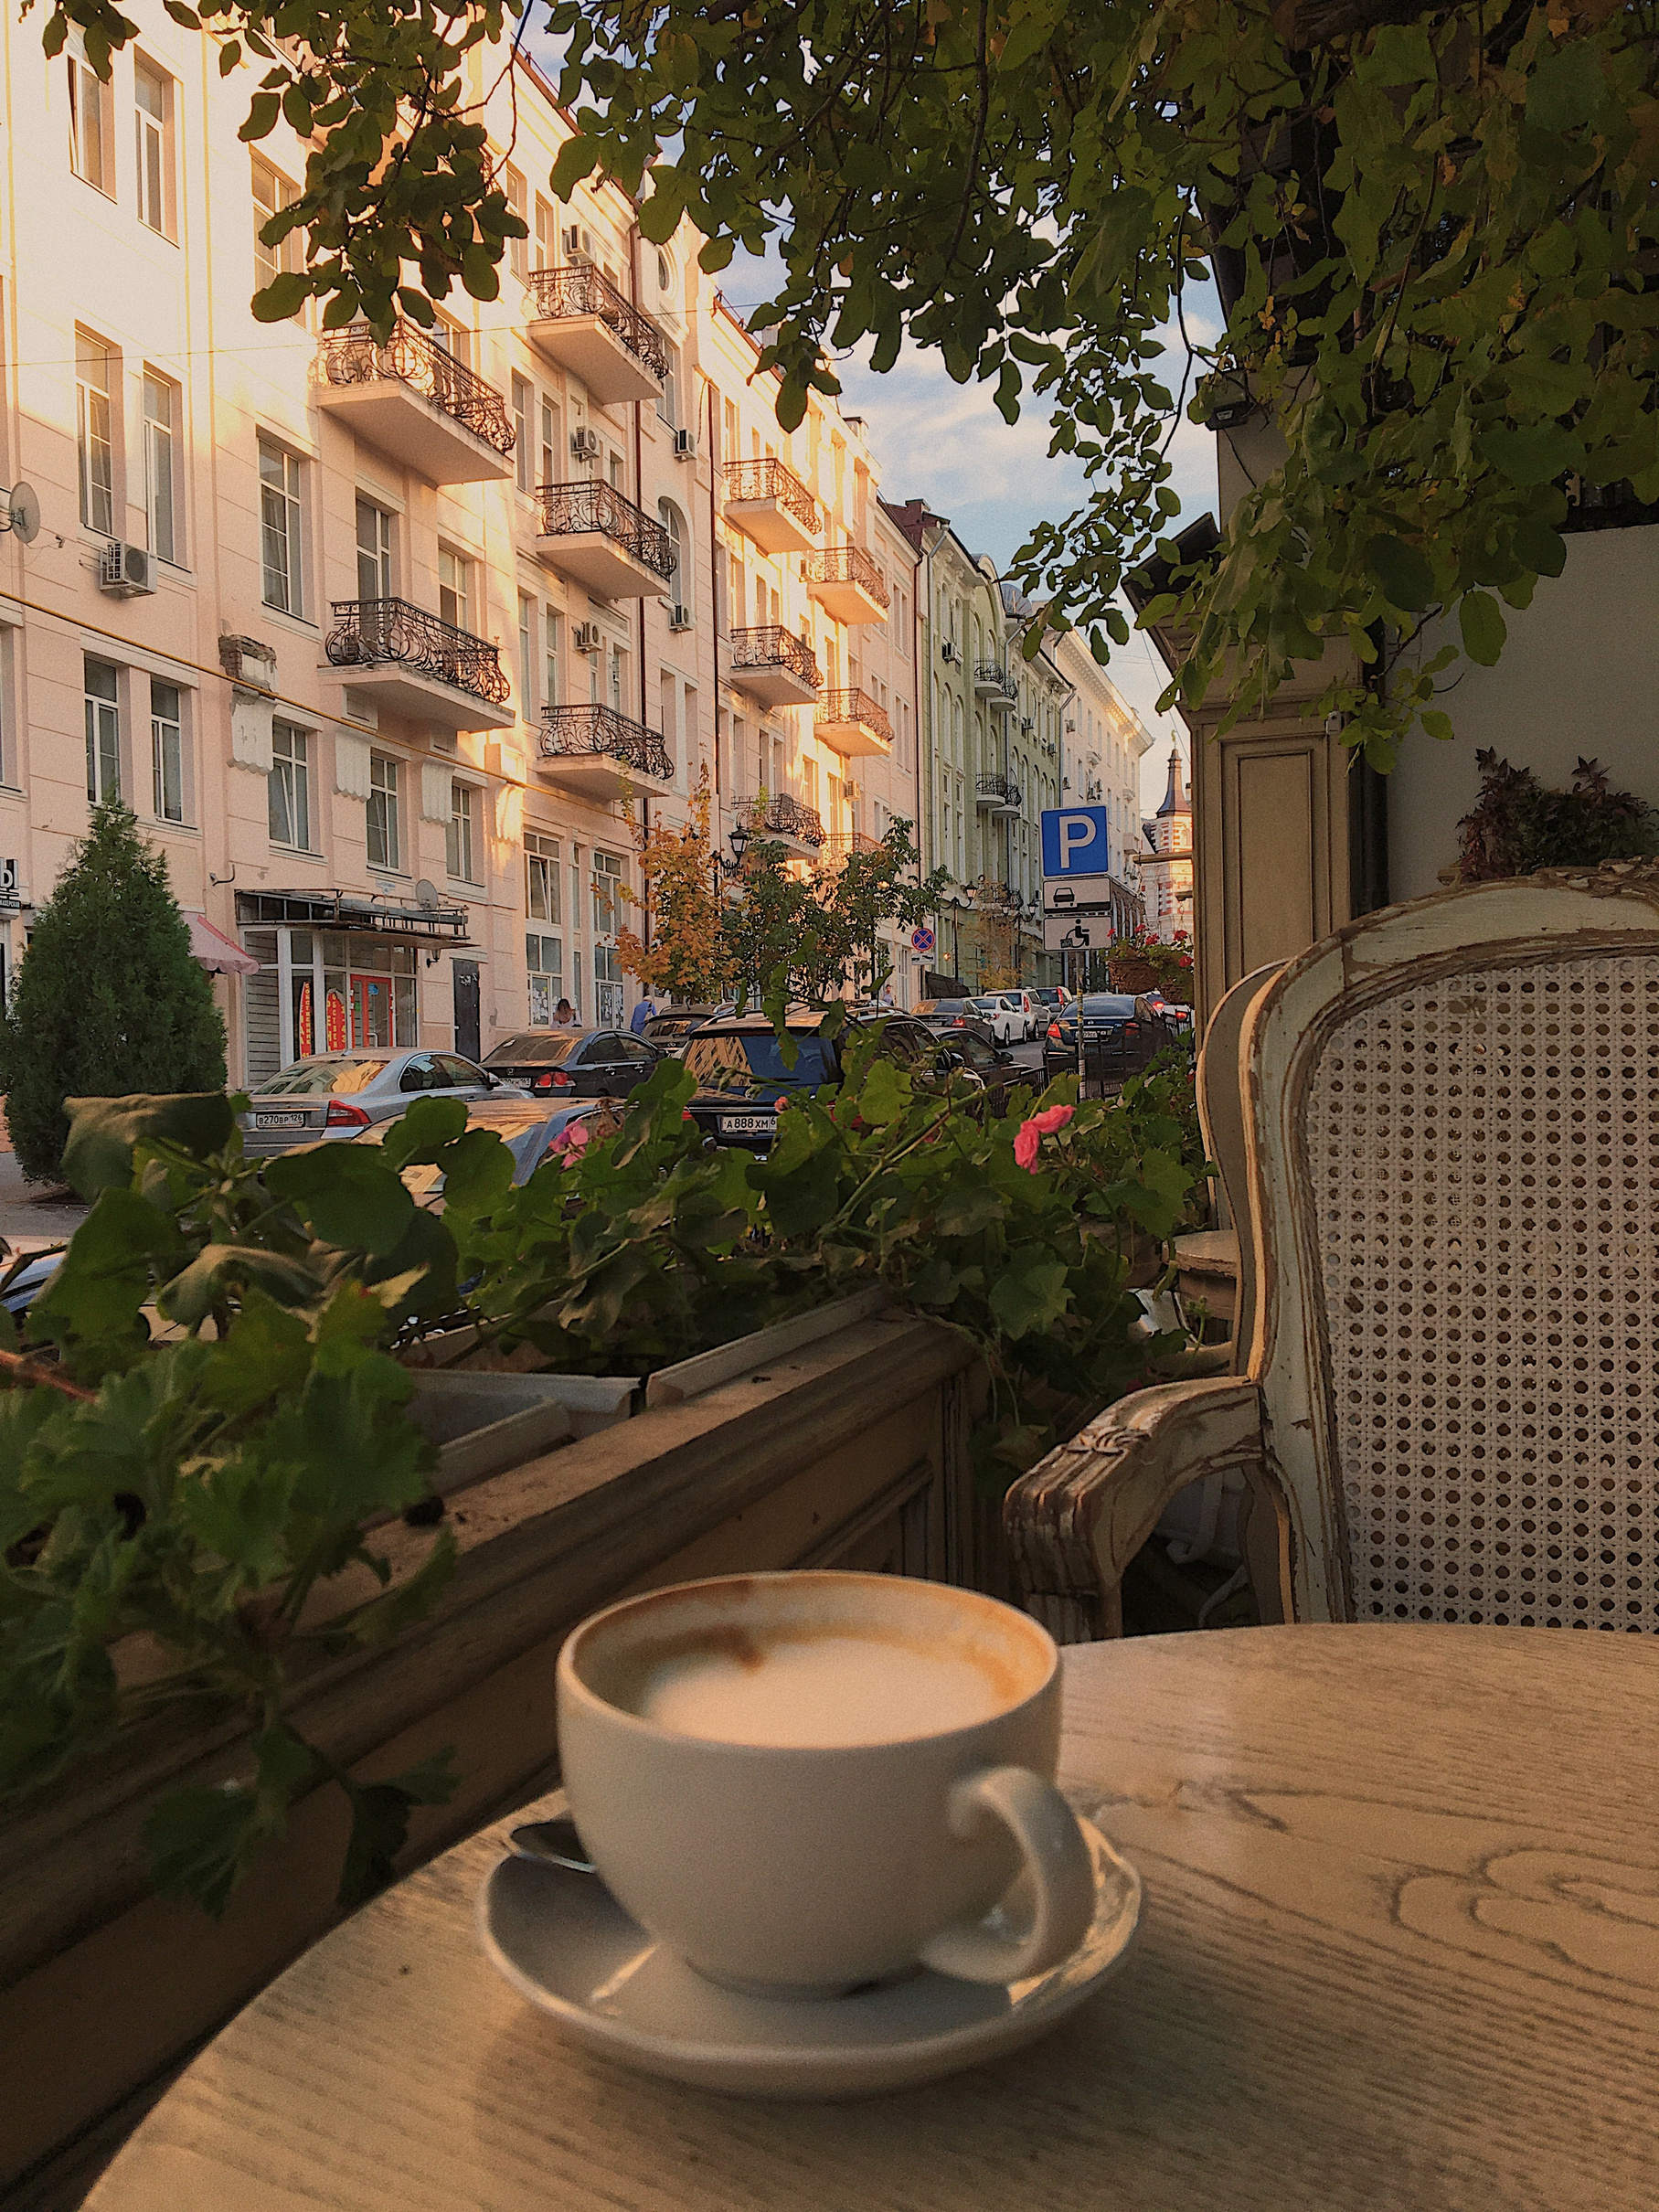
(215, 951)
(363, 912)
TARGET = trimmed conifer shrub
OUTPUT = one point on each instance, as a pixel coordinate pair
(107, 1000)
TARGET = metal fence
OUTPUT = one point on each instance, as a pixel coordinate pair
(370, 632)
(413, 357)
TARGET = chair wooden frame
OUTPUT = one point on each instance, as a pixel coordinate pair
(1076, 1519)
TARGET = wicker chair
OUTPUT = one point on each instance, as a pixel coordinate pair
(1447, 1409)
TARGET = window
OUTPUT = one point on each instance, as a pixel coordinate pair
(153, 116)
(541, 876)
(384, 846)
(103, 732)
(271, 193)
(163, 503)
(454, 587)
(374, 551)
(526, 656)
(289, 786)
(667, 402)
(167, 751)
(519, 248)
(664, 272)
(607, 887)
(543, 959)
(546, 235)
(679, 589)
(618, 658)
(552, 641)
(608, 1004)
(552, 465)
(616, 470)
(460, 841)
(282, 530)
(452, 340)
(733, 447)
(92, 127)
(95, 432)
(523, 400)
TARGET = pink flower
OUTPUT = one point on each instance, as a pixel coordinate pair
(571, 1142)
(1032, 1132)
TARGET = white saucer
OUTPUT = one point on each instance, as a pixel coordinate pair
(564, 1942)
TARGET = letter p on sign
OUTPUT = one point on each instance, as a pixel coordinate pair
(1076, 830)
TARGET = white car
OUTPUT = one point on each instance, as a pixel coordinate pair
(1003, 1016)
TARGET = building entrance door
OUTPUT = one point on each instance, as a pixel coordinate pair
(371, 1012)
(466, 1009)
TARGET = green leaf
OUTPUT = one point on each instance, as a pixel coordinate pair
(402, 1605)
(1437, 725)
(419, 1136)
(200, 1841)
(379, 1826)
(216, 1274)
(1533, 456)
(1481, 620)
(1541, 547)
(283, 297)
(1029, 1296)
(108, 1271)
(1400, 572)
(348, 1193)
(103, 1132)
(1569, 86)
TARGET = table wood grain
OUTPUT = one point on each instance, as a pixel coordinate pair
(1401, 1950)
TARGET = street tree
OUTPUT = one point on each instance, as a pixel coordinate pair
(1431, 229)
(109, 1000)
(680, 907)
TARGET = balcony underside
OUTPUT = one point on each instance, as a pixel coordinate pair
(854, 741)
(595, 775)
(597, 562)
(397, 421)
(588, 347)
(776, 685)
(398, 689)
(845, 601)
(772, 526)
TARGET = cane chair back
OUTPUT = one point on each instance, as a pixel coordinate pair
(1453, 1116)
(1221, 1090)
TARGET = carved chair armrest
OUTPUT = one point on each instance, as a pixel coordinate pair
(1078, 1517)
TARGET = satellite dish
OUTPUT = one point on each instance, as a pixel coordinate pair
(23, 512)
(426, 896)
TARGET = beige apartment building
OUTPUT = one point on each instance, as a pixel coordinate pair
(375, 638)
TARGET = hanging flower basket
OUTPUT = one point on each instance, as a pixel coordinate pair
(1130, 972)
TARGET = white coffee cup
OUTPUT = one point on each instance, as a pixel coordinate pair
(801, 1783)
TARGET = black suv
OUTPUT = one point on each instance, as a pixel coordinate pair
(741, 1078)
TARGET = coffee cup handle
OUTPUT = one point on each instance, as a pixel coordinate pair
(1057, 1859)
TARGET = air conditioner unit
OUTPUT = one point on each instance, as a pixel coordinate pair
(578, 242)
(679, 618)
(685, 445)
(584, 444)
(125, 571)
(585, 637)
(947, 652)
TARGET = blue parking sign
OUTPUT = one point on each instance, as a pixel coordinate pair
(1075, 840)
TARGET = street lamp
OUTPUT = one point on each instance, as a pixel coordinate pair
(739, 840)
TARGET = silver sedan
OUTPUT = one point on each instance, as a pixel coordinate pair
(338, 1094)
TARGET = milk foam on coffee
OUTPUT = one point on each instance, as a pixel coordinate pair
(822, 1689)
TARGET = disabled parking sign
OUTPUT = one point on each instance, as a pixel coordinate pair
(1075, 840)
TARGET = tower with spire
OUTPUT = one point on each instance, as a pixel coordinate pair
(1167, 865)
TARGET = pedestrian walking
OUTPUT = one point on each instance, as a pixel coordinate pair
(644, 1011)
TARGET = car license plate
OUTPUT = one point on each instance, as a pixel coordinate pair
(279, 1121)
(748, 1124)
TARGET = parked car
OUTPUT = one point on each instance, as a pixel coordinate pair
(1030, 1009)
(529, 1127)
(945, 1016)
(1108, 1026)
(742, 1079)
(1008, 1022)
(336, 1095)
(1053, 998)
(575, 1063)
(967, 1055)
(675, 1025)
(1179, 1019)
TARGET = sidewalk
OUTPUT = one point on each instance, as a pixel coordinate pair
(35, 1215)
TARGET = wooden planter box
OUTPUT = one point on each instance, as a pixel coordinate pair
(849, 1450)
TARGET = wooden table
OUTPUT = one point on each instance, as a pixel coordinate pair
(1401, 1951)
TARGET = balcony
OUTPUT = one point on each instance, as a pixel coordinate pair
(846, 583)
(584, 324)
(852, 724)
(417, 404)
(775, 667)
(998, 795)
(412, 663)
(992, 681)
(598, 752)
(786, 819)
(590, 532)
(771, 505)
(841, 844)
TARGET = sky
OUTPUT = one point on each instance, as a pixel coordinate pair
(946, 443)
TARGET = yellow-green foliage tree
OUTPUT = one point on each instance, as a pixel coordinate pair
(681, 909)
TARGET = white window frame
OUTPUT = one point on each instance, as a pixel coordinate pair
(383, 810)
(102, 713)
(461, 837)
(379, 555)
(523, 409)
(291, 767)
(167, 754)
(91, 126)
(455, 585)
(164, 507)
(541, 899)
(526, 656)
(552, 657)
(153, 134)
(282, 523)
(610, 871)
(544, 983)
(271, 193)
(96, 422)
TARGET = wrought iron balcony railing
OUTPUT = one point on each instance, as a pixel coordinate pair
(770, 480)
(991, 676)
(1006, 792)
(839, 843)
(589, 730)
(582, 290)
(356, 357)
(848, 565)
(568, 510)
(855, 706)
(370, 632)
(787, 816)
(773, 646)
